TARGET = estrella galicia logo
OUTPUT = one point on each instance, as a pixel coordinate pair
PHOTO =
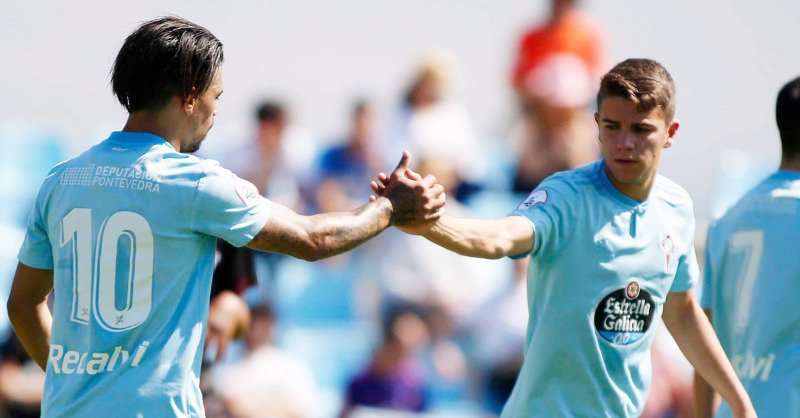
(624, 315)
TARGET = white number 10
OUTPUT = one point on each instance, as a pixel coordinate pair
(94, 278)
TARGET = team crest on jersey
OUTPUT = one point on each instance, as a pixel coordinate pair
(246, 191)
(538, 197)
(623, 316)
(668, 245)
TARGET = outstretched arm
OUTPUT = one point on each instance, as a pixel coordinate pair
(484, 238)
(28, 311)
(689, 326)
(405, 202)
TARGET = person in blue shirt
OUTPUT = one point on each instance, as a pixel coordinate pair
(124, 234)
(752, 279)
(612, 250)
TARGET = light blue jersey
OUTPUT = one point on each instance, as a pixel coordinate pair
(129, 228)
(601, 268)
(751, 285)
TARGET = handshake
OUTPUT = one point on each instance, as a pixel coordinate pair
(417, 201)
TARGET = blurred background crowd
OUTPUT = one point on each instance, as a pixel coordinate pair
(491, 99)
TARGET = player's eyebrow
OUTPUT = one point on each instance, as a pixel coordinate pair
(607, 120)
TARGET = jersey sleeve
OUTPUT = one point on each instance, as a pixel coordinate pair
(550, 209)
(229, 207)
(688, 271)
(37, 250)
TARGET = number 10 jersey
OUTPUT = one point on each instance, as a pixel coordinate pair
(129, 228)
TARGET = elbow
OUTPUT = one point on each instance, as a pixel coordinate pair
(16, 310)
(494, 254)
(310, 250)
(309, 255)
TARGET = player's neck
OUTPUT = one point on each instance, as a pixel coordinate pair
(155, 123)
(638, 191)
(790, 164)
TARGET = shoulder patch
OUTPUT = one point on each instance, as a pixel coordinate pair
(246, 191)
(538, 197)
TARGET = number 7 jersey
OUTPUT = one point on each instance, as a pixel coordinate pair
(129, 228)
(751, 284)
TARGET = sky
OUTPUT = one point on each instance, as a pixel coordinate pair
(728, 58)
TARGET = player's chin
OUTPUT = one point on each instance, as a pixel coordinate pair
(193, 147)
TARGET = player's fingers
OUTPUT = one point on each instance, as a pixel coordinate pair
(405, 162)
(377, 188)
(439, 203)
(436, 213)
(429, 180)
(372, 198)
(413, 175)
(437, 190)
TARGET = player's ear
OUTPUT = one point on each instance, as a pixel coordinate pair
(189, 101)
(672, 129)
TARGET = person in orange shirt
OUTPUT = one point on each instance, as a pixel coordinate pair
(567, 31)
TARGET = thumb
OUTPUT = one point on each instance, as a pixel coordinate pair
(405, 162)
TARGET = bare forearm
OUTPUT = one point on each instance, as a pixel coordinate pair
(32, 325)
(472, 237)
(325, 235)
(705, 399)
(696, 338)
(28, 311)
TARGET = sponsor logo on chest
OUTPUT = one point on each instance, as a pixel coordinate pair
(623, 316)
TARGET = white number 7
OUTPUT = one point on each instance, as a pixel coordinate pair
(751, 243)
(94, 286)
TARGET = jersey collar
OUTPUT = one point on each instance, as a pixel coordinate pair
(617, 195)
(137, 139)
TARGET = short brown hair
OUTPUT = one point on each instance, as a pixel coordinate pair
(642, 81)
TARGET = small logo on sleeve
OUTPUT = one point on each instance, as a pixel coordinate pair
(246, 191)
(538, 197)
(623, 316)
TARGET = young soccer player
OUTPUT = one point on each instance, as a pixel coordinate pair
(752, 280)
(124, 233)
(612, 249)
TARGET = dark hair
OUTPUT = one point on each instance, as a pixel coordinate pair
(644, 82)
(269, 111)
(787, 114)
(163, 57)
(359, 106)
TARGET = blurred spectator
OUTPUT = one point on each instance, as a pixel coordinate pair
(347, 168)
(21, 381)
(671, 388)
(264, 161)
(416, 271)
(392, 380)
(271, 162)
(434, 127)
(568, 31)
(266, 382)
(558, 131)
(498, 328)
(449, 287)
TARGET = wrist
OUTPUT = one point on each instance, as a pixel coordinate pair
(741, 405)
(386, 210)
